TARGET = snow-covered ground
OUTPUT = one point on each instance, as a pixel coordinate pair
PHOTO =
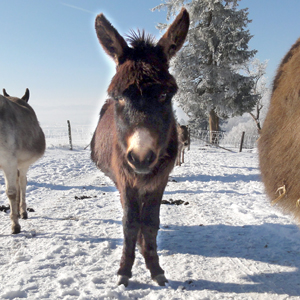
(226, 243)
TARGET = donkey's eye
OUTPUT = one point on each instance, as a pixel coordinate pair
(162, 97)
(121, 101)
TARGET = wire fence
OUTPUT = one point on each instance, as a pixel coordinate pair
(59, 135)
(82, 134)
(224, 139)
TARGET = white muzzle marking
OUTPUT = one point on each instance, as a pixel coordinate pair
(140, 143)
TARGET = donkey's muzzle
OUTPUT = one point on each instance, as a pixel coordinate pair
(142, 150)
(141, 165)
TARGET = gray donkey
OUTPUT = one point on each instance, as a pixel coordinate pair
(22, 142)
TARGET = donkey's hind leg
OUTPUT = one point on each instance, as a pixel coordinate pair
(13, 194)
(22, 184)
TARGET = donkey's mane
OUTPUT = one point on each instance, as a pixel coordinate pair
(140, 39)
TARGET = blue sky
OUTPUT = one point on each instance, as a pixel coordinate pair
(50, 46)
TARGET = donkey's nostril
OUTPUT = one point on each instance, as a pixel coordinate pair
(150, 158)
(131, 157)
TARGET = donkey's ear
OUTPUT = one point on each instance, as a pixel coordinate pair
(26, 96)
(173, 39)
(109, 38)
(5, 94)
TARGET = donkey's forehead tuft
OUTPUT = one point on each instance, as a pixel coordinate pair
(140, 39)
(143, 47)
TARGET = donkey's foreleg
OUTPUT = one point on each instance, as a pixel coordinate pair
(22, 184)
(13, 194)
(149, 230)
(131, 226)
(178, 158)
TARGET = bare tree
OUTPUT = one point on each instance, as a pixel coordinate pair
(257, 70)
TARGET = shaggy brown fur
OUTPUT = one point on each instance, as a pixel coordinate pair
(135, 142)
(279, 144)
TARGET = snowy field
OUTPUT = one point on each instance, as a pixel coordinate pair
(226, 243)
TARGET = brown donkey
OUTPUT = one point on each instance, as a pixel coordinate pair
(279, 144)
(22, 142)
(183, 142)
(135, 142)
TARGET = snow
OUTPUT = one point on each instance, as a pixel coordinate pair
(228, 242)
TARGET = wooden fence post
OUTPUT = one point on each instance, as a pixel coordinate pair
(70, 135)
(189, 138)
(242, 141)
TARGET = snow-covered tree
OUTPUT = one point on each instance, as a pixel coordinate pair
(208, 69)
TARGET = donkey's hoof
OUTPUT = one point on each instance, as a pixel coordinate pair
(24, 215)
(123, 280)
(161, 279)
(15, 229)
